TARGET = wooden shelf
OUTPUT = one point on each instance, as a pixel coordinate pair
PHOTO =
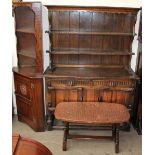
(90, 52)
(90, 33)
(80, 72)
(27, 53)
(88, 66)
(26, 30)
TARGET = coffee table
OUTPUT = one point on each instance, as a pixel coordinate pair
(94, 113)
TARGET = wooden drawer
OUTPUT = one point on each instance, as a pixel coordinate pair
(22, 86)
(123, 84)
(116, 91)
(126, 84)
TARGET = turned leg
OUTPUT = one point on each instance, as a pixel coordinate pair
(117, 139)
(49, 121)
(66, 130)
(113, 132)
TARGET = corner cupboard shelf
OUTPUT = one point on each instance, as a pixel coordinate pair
(25, 30)
(29, 36)
(27, 53)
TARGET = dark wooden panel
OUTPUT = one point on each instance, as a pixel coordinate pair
(85, 20)
(97, 42)
(97, 21)
(105, 96)
(122, 97)
(89, 95)
(84, 41)
(65, 59)
(29, 100)
(64, 20)
(91, 60)
(121, 43)
(54, 20)
(25, 17)
(38, 102)
(74, 20)
(73, 41)
(54, 40)
(24, 110)
(22, 86)
(26, 42)
(73, 95)
(24, 61)
(63, 40)
(92, 21)
(61, 96)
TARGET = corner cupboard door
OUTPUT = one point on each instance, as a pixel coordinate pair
(24, 99)
(29, 100)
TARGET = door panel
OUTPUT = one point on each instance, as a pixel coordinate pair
(121, 97)
(105, 96)
(24, 109)
(22, 86)
(72, 95)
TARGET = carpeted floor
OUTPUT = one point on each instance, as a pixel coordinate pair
(130, 142)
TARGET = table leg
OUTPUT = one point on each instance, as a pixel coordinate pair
(66, 130)
(113, 132)
(117, 139)
(49, 121)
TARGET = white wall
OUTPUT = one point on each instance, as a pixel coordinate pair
(118, 3)
(135, 43)
(14, 60)
(113, 3)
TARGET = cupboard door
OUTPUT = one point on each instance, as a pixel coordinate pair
(25, 110)
(66, 95)
(105, 96)
(90, 95)
(29, 100)
(124, 97)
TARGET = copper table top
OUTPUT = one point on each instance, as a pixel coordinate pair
(92, 112)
